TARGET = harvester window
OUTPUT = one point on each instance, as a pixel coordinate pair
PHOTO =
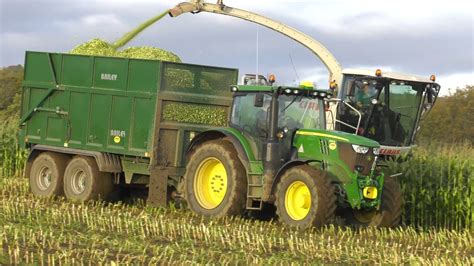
(403, 110)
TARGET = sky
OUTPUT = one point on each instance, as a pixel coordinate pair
(407, 36)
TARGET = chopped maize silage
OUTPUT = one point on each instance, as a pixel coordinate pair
(195, 114)
(98, 47)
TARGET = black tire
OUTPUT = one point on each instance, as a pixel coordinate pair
(83, 181)
(46, 174)
(322, 195)
(233, 202)
(390, 211)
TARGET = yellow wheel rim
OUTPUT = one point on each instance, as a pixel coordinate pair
(210, 183)
(297, 200)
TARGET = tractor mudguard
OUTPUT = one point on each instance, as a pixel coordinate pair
(286, 166)
(239, 142)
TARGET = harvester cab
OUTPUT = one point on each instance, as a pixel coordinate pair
(385, 107)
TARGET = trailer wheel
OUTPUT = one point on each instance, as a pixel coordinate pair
(46, 175)
(215, 180)
(305, 197)
(83, 181)
(389, 213)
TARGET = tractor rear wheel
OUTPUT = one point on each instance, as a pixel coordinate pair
(215, 180)
(46, 174)
(389, 213)
(83, 181)
(305, 197)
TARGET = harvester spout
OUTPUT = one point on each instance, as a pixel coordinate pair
(327, 58)
(185, 7)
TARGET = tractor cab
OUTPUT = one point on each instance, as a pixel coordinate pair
(272, 113)
(386, 108)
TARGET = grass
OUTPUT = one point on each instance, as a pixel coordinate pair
(56, 231)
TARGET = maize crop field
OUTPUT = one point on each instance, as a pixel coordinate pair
(55, 231)
(437, 226)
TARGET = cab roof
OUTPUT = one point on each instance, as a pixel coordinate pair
(385, 74)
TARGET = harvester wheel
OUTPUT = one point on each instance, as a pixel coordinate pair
(305, 197)
(215, 180)
(389, 213)
(46, 175)
(83, 181)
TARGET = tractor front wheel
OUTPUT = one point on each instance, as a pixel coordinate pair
(389, 213)
(215, 180)
(305, 197)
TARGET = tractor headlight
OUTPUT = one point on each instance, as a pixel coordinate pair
(360, 149)
(376, 151)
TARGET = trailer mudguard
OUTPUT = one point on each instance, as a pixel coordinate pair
(106, 162)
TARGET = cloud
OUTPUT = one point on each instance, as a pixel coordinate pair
(449, 83)
(100, 20)
(418, 37)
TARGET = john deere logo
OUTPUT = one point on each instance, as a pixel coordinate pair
(332, 145)
(369, 158)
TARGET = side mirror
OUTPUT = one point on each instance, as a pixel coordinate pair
(429, 94)
(258, 100)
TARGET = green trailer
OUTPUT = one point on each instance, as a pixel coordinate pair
(134, 117)
(188, 131)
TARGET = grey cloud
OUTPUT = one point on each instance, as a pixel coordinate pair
(442, 47)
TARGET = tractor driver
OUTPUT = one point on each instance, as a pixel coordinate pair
(262, 117)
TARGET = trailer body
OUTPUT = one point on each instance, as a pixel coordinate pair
(130, 114)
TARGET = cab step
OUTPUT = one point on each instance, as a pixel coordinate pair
(254, 192)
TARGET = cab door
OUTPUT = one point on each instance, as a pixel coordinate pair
(250, 115)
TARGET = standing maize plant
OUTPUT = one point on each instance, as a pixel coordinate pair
(12, 158)
(438, 187)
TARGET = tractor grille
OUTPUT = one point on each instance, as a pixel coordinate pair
(355, 161)
(324, 146)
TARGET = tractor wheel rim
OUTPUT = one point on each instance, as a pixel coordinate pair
(79, 181)
(210, 183)
(44, 178)
(298, 200)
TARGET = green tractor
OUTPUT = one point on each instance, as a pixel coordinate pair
(276, 151)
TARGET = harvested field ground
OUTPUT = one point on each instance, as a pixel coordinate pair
(55, 231)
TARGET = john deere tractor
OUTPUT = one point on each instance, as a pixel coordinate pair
(276, 150)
